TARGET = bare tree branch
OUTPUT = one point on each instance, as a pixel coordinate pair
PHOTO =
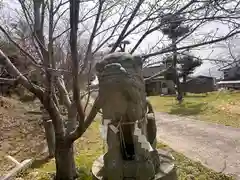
(115, 26)
(88, 54)
(120, 38)
(64, 93)
(169, 49)
(59, 6)
(81, 129)
(74, 15)
(158, 26)
(18, 46)
(23, 80)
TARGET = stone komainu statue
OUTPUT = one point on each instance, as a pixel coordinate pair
(131, 134)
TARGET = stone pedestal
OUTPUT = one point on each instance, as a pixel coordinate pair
(166, 171)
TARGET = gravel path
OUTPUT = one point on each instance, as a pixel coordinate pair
(215, 146)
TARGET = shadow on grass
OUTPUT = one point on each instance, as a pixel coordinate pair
(40, 161)
(83, 173)
(196, 96)
(188, 109)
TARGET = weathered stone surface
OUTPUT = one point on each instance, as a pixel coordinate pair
(129, 122)
(166, 169)
(121, 83)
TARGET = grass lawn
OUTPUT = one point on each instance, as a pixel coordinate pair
(89, 147)
(218, 107)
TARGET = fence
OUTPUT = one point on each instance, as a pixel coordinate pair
(229, 84)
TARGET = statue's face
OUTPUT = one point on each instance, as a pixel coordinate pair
(121, 86)
(123, 59)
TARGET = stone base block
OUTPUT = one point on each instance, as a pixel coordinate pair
(166, 171)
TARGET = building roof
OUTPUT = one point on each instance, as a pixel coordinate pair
(230, 66)
(229, 82)
(225, 69)
(152, 70)
(232, 73)
(206, 77)
(199, 76)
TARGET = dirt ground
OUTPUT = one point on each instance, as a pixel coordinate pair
(214, 145)
(21, 136)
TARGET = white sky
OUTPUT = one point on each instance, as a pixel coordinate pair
(207, 68)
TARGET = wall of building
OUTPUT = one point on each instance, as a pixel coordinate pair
(159, 87)
(170, 85)
(232, 73)
(199, 85)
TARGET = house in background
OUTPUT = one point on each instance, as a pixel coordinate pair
(200, 84)
(157, 85)
(231, 78)
(231, 73)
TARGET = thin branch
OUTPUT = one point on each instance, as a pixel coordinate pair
(59, 6)
(81, 129)
(157, 74)
(50, 59)
(59, 17)
(19, 47)
(88, 98)
(169, 49)
(22, 79)
(33, 61)
(8, 81)
(30, 23)
(143, 37)
(84, 18)
(112, 33)
(142, 22)
(63, 93)
(120, 38)
(94, 30)
(158, 26)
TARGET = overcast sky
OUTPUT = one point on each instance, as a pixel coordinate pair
(208, 68)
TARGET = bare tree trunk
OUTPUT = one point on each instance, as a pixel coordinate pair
(184, 84)
(71, 126)
(49, 132)
(64, 155)
(50, 137)
(65, 164)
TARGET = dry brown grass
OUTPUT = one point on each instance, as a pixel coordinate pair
(20, 134)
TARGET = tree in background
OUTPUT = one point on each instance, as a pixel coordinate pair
(175, 29)
(188, 64)
(229, 59)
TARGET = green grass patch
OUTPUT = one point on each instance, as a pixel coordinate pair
(87, 149)
(217, 107)
(90, 146)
